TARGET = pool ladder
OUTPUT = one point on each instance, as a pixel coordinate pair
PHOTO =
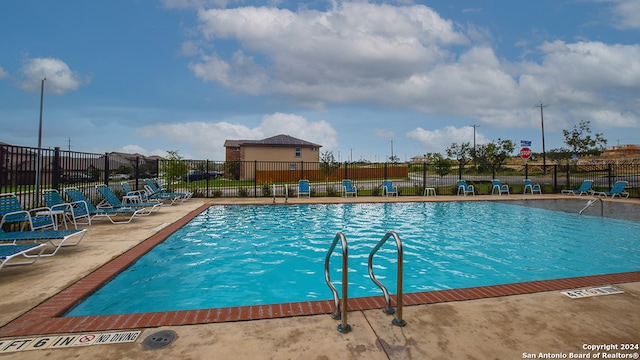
(590, 203)
(397, 320)
(340, 311)
(286, 193)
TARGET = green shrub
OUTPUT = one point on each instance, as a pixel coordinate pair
(266, 190)
(242, 192)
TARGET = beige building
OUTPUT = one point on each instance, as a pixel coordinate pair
(277, 153)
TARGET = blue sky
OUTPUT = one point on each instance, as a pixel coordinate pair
(359, 78)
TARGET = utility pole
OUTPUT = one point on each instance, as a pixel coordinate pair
(474, 143)
(544, 154)
(392, 157)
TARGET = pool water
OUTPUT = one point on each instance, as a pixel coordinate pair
(249, 255)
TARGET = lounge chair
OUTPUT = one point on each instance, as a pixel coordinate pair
(349, 188)
(465, 189)
(110, 213)
(388, 188)
(496, 185)
(585, 188)
(31, 252)
(531, 187)
(617, 189)
(156, 191)
(111, 200)
(57, 238)
(12, 212)
(142, 195)
(70, 211)
(303, 188)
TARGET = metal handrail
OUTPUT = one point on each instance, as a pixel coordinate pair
(388, 309)
(590, 203)
(344, 327)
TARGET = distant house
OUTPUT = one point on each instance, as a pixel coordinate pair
(276, 148)
(279, 148)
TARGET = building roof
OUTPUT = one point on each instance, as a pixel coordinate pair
(278, 140)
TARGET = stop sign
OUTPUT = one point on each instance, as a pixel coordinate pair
(525, 153)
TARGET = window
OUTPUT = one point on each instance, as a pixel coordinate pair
(298, 152)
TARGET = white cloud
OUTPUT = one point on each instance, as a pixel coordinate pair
(627, 13)
(59, 77)
(3, 73)
(384, 133)
(440, 139)
(206, 139)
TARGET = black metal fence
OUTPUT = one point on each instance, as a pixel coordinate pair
(27, 171)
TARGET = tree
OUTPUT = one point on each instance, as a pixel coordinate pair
(581, 142)
(328, 164)
(498, 151)
(460, 152)
(174, 167)
(440, 164)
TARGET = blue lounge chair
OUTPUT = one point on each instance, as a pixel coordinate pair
(303, 188)
(388, 188)
(348, 188)
(531, 187)
(156, 191)
(465, 189)
(110, 213)
(12, 212)
(585, 188)
(142, 195)
(111, 200)
(31, 252)
(57, 238)
(617, 189)
(71, 211)
(496, 185)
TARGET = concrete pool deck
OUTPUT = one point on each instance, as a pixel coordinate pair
(497, 327)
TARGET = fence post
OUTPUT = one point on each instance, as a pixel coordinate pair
(610, 174)
(136, 173)
(526, 170)
(207, 178)
(384, 171)
(424, 176)
(255, 178)
(106, 168)
(555, 178)
(55, 171)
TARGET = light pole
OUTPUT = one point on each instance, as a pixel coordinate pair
(38, 159)
(544, 154)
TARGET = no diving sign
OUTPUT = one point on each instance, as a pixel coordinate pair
(63, 341)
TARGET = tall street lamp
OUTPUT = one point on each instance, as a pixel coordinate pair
(38, 159)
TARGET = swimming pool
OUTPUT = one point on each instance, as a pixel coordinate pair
(243, 255)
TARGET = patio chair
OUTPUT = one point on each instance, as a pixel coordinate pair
(531, 187)
(12, 212)
(141, 195)
(496, 185)
(349, 188)
(617, 189)
(70, 211)
(31, 252)
(56, 238)
(303, 188)
(465, 189)
(110, 213)
(111, 200)
(585, 188)
(388, 188)
(156, 191)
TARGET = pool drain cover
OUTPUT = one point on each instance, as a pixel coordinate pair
(159, 339)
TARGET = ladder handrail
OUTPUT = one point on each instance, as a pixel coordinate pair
(591, 202)
(337, 313)
(388, 309)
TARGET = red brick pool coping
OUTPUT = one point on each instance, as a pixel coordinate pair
(45, 318)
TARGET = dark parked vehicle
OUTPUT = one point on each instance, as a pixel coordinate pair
(76, 178)
(195, 175)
